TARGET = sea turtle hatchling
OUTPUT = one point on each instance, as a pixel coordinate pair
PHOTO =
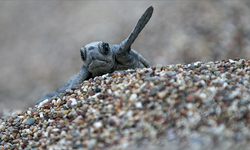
(100, 58)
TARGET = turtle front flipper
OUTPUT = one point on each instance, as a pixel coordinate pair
(74, 81)
(125, 45)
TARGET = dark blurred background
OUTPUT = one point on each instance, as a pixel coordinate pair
(40, 41)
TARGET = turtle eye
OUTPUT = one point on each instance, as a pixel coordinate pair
(83, 56)
(105, 47)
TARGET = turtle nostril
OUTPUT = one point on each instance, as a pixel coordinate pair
(90, 48)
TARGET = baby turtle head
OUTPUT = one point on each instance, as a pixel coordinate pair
(97, 57)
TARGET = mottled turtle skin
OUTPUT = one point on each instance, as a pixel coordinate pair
(100, 58)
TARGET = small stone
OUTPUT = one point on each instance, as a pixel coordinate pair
(162, 94)
(15, 141)
(2, 127)
(3, 137)
(97, 125)
(30, 121)
(74, 102)
(160, 87)
(203, 95)
(153, 91)
(76, 146)
(158, 67)
(56, 130)
(69, 91)
(170, 73)
(117, 93)
(138, 105)
(47, 105)
(65, 112)
(36, 139)
(110, 107)
(97, 89)
(78, 120)
(133, 97)
(41, 115)
(231, 61)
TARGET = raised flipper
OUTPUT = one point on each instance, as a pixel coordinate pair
(74, 81)
(125, 45)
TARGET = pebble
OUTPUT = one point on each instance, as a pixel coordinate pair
(30, 121)
(160, 87)
(138, 105)
(73, 101)
(170, 73)
(2, 127)
(133, 97)
(55, 130)
(97, 90)
(153, 91)
(78, 120)
(158, 67)
(162, 94)
(97, 125)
